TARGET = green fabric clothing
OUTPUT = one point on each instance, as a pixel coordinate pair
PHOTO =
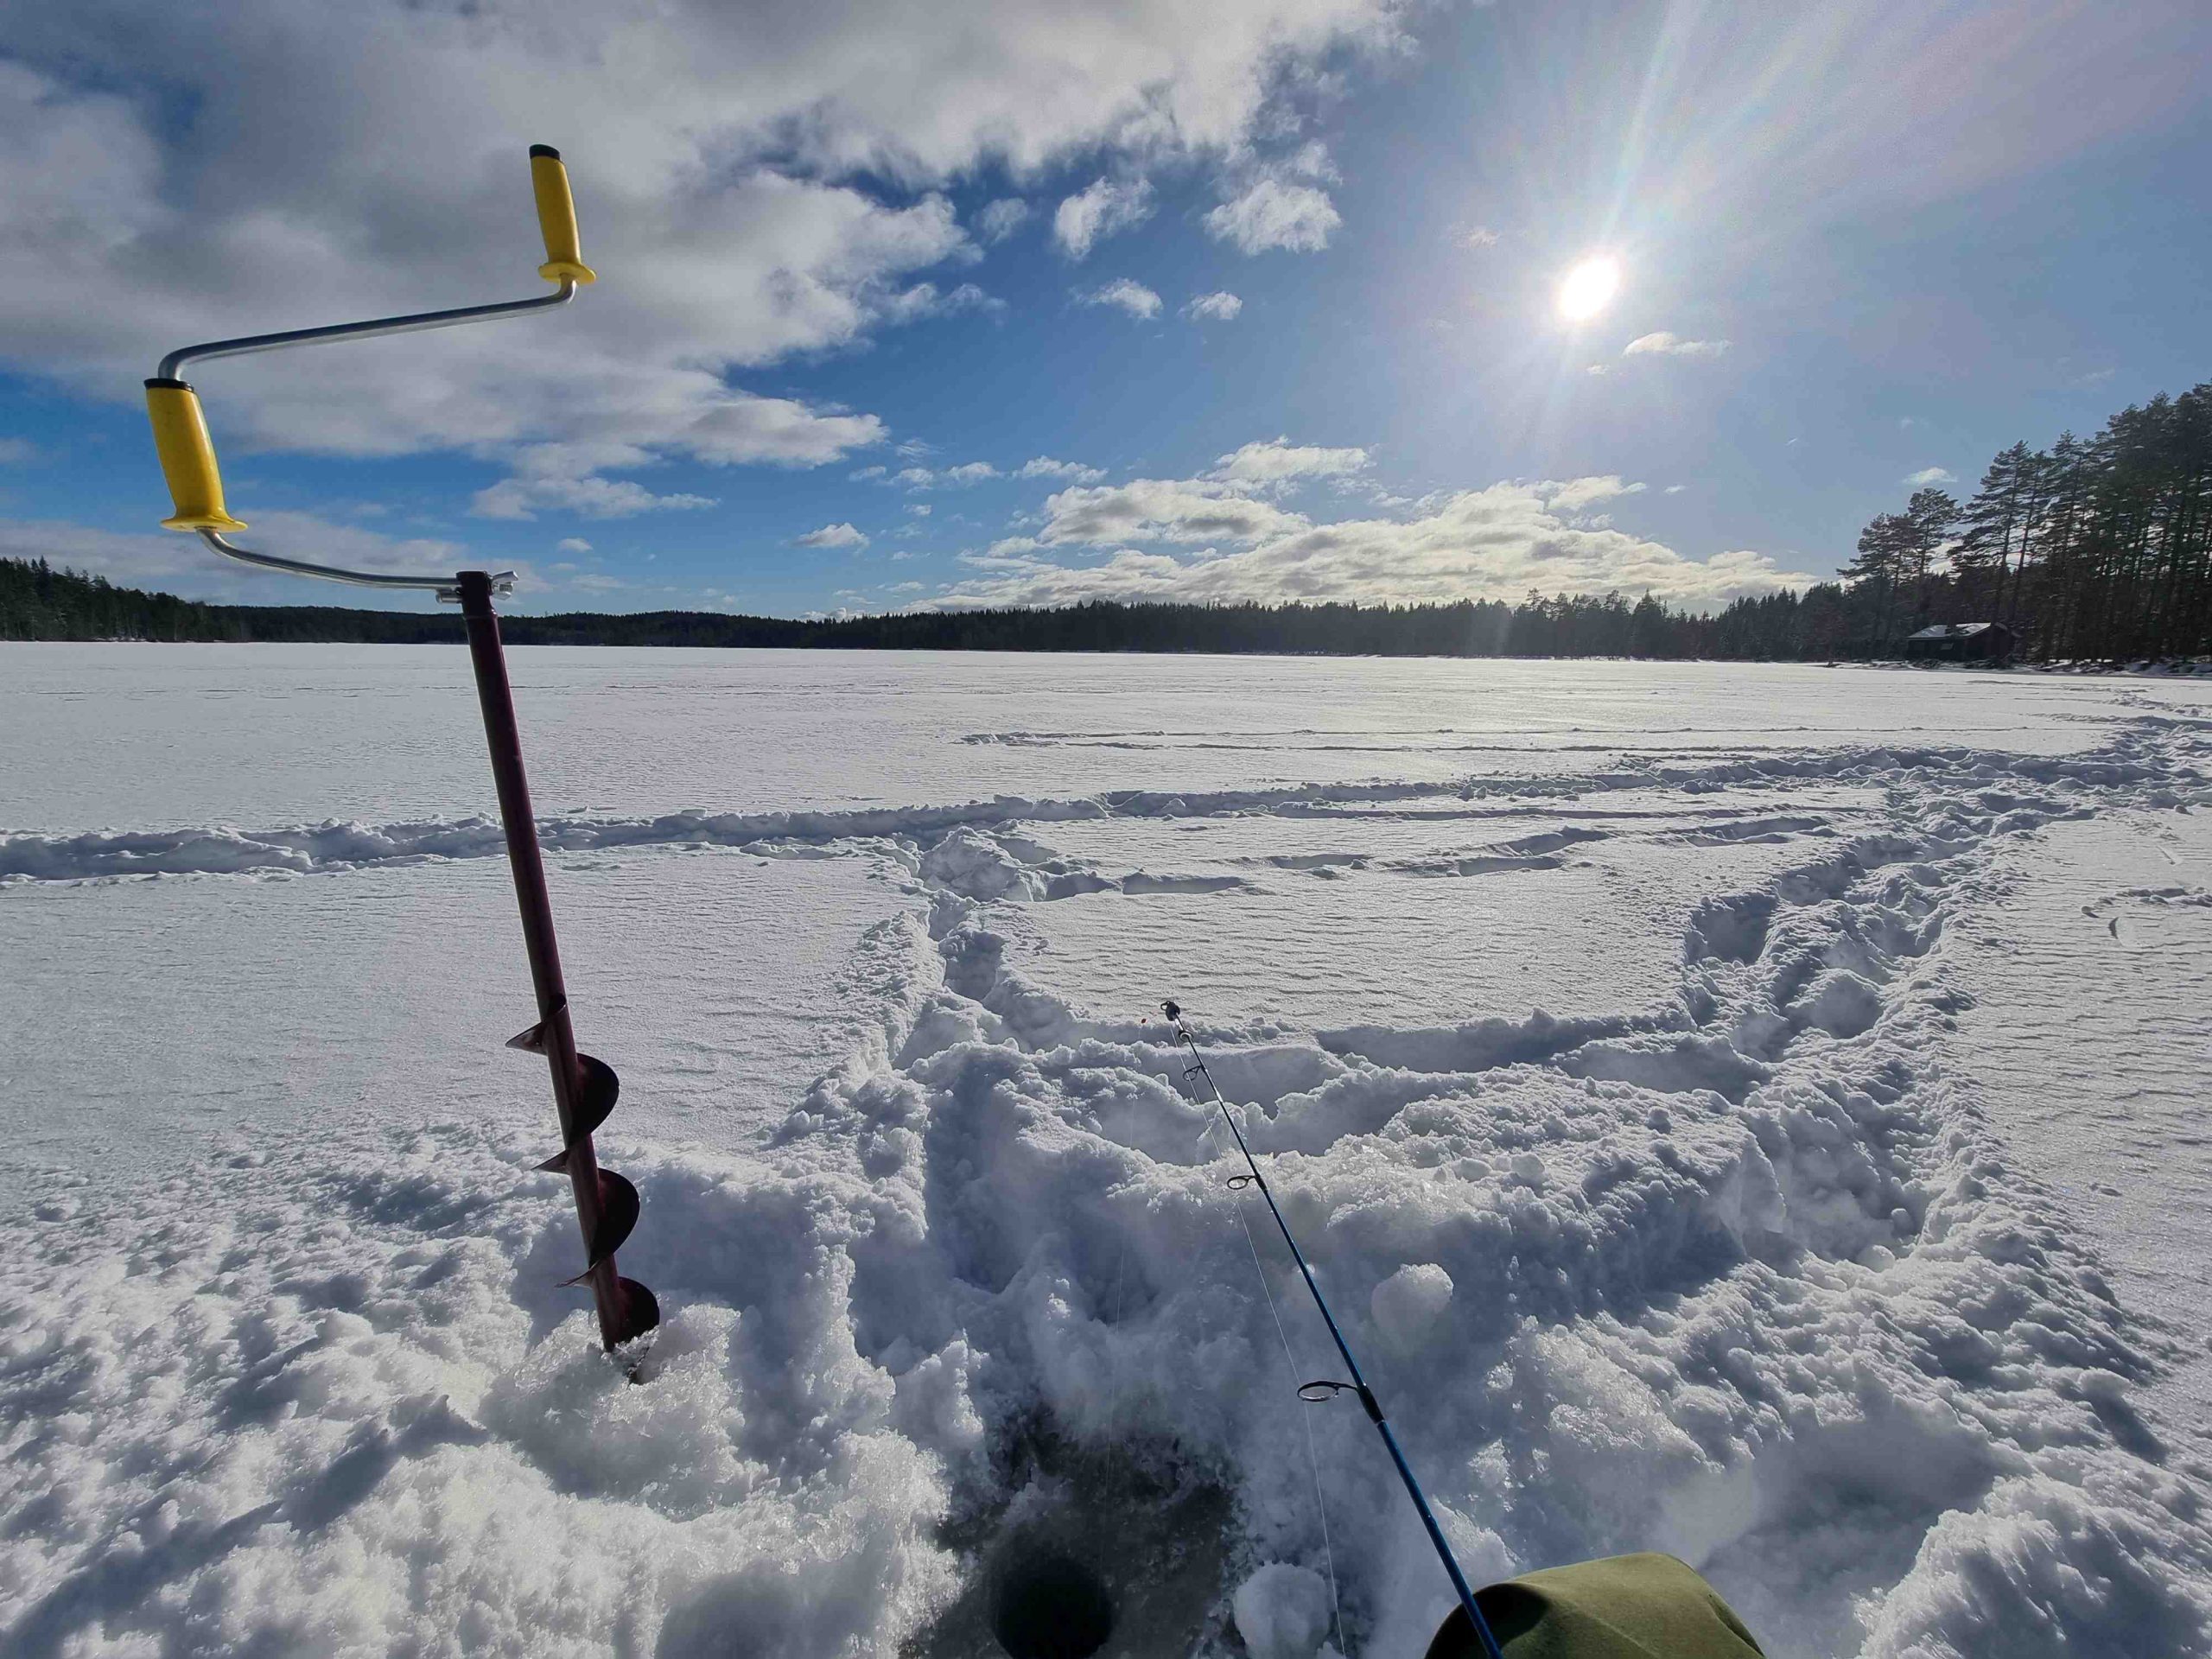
(1623, 1607)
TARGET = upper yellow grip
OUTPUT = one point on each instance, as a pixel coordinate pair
(556, 217)
(188, 458)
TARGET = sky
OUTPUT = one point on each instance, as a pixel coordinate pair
(983, 303)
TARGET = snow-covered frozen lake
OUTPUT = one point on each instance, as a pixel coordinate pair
(1757, 1113)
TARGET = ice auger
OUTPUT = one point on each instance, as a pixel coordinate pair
(584, 1089)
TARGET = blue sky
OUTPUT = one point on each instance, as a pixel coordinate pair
(903, 305)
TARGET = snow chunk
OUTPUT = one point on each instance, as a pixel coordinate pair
(1409, 1302)
(1282, 1612)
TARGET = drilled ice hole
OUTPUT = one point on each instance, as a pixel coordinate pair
(1050, 1606)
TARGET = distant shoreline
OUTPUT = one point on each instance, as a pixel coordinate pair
(39, 602)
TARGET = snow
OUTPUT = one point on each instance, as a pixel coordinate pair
(1660, 1063)
(2091, 975)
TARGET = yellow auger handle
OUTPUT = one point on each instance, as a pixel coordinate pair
(556, 217)
(188, 458)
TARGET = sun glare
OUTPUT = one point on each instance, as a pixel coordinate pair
(1589, 289)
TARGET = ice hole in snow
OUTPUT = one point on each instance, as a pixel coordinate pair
(1052, 1606)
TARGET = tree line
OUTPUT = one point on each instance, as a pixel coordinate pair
(41, 602)
(2094, 549)
(2097, 548)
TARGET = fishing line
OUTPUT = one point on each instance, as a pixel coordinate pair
(1312, 1458)
(1324, 1387)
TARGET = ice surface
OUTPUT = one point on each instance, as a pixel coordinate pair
(1622, 1039)
(2092, 978)
(161, 737)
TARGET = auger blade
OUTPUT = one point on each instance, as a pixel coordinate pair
(617, 1215)
(532, 1041)
(597, 1090)
(596, 1094)
(640, 1310)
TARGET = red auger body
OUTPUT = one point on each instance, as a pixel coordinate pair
(584, 1089)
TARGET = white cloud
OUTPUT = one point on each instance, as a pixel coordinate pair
(1664, 344)
(831, 536)
(1674, 489)
(927, 300)
(1932, 475)
(1482, 237)
(869, 474)
(1497, 544)
(1134, 298)
(1219, 307)
(1046, 466)
(917, 509)
(723, 173)
(999, 220)
(569, 477)
(1102, 209)
(1272, 214)
(1278, 461)
(922, 477)
(1156, 510)
(17, 452)
(572, 544)
(1577, 493)
(1599, 368)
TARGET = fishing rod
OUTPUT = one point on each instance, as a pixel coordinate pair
(1329, 1388)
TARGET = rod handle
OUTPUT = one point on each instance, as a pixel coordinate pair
(557, 217)
(188, 458)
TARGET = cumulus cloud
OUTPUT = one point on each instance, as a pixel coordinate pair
(1497, 542)
(1278, 461)
(1576, 494)
(570, 478)
(1134, 298)
(1102, 209)
(1157, 510)
(1046, 466)
(1932, 475)
(572, 544)
(999, 220)
(831, 536)
(917, 509)
(724, 174)
(924, 478)
(1218, 306)
(1663, 344)
(1274, 214)
(927, 300)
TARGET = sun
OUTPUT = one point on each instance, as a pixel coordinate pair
(1589, 288)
